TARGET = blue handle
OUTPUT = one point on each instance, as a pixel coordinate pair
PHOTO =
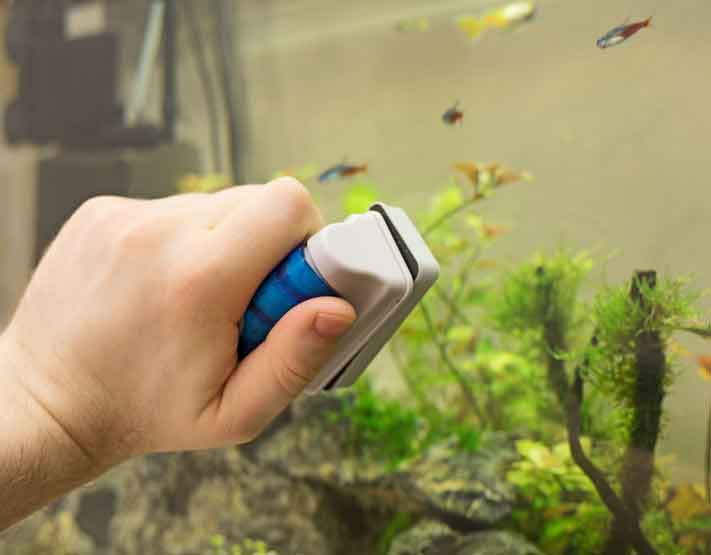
(292, 282)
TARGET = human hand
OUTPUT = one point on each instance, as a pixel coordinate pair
(126, 336)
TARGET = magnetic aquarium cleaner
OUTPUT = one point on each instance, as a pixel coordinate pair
(377, 261)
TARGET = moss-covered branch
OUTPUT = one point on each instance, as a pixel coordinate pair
(648, 396)
(615, 505)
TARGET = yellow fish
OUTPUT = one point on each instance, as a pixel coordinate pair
(505, 17)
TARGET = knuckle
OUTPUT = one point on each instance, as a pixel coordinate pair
(243, 430)
(290, 376)
(296, 198)
(96, 208)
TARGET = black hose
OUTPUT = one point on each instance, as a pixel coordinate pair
(225, 52)
(203, 70)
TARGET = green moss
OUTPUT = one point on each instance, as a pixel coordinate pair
(619, 320)
(540, 292)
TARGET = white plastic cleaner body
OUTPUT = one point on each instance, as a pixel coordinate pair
(361, 260)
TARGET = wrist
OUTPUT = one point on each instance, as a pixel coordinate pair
(30, 422)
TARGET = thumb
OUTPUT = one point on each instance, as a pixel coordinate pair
(278, 370)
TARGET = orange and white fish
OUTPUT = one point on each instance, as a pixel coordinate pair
(621, 33)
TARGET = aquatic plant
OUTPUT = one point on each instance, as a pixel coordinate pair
(601, 369)
(559, 508)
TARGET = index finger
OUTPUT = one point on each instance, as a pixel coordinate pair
(257, 231)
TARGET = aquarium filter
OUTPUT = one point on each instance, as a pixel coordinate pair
(377, 261)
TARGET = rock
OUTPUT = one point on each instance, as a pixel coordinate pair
(467, 491)
(434, 538)
(52, 531)
(426, 538)
(177, 503)
(301, 489)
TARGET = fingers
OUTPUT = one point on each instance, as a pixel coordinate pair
(279, 369)
(256, 231)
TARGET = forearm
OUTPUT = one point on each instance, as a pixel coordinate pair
(38, 459)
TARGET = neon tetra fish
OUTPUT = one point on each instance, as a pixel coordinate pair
(453, 115)
(342, 170)
(621, 33)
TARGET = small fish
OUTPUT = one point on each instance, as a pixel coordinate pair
(704, 362)
(342, 170)
(621, 33)
(453, 115)
(508, 16)
(420, 24)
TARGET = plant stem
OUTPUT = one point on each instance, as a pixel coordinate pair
(455, 313)
(554, 338)
(638, 463)
(461, 380)
(701, 331)
(453, 301)
(424, 405)
(614, 504)
(450, 214)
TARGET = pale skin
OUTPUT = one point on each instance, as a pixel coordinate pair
(125, 341)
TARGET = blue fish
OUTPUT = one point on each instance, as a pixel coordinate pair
(342, 170)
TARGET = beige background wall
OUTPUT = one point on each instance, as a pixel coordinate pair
(618, 140)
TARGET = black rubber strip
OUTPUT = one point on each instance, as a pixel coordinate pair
(410, 261)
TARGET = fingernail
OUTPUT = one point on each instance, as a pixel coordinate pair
(331, 326)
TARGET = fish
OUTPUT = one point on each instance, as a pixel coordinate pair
(621, 33)
(508, 16)
(453, 115)
(343, 169)
(704, 362)
(416, 24)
